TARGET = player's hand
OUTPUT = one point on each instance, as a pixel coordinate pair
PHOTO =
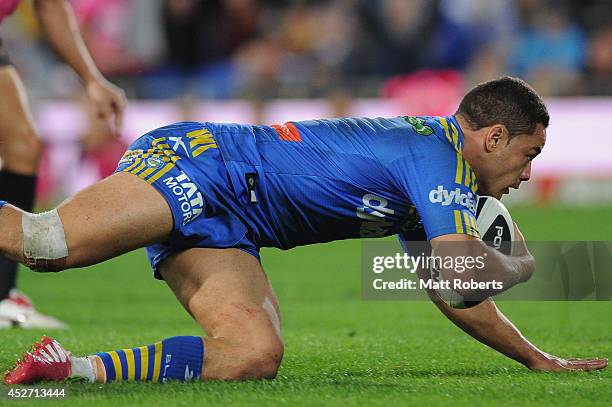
(520, 249)
(109, 102)
(550, 363)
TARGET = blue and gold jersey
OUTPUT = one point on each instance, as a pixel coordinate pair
(246, 187)
(323, 180)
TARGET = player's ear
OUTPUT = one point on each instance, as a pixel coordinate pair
(494, 137)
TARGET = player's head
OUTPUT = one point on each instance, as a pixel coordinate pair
(504, 122)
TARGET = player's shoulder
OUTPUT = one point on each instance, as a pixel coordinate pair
(433, 130)
(420, 138)
(443, 130)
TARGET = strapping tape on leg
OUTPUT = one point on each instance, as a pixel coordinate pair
(43, 238)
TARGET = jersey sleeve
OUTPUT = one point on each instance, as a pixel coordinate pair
(442, 187)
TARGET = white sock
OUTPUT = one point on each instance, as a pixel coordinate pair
(82, 367)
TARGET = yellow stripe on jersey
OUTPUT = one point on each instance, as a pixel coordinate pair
(444, 124)
(138, 168)
(131, 364)
(203, 138)
(144, 362)
(474, 226)
(466, 221)
(459, 172)
(160, 173)
(196, 133)
(200, 150)
(468, 175)
(455, 137)
(157, 362)
(117, 364)
(458, 224)
(199, 137)
(167, 152)
(173, 157)
(160, 145)
(134, 164)
(147, 172)
(470, 223)
(474, 184)
(158, 140)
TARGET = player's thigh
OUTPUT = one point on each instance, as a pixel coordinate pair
(19, 144)
(116, 215)
(227, 293)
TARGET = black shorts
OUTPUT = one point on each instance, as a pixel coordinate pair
(4, 58)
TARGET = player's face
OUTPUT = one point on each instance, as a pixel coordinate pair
(510, 162)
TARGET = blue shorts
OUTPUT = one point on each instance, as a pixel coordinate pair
(183, 162)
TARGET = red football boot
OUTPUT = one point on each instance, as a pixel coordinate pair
(47, 360)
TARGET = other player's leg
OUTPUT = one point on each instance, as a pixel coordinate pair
(20, 150)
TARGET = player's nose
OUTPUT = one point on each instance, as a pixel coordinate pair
(526, 174)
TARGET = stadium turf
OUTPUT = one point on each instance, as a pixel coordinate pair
(340, 350)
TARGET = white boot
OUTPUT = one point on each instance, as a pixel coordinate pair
(18, 311)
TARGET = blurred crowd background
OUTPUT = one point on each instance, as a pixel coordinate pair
(264, 49)
(269, 61)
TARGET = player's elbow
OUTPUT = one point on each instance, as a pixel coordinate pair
(528, 266)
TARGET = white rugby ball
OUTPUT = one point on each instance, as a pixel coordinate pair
(494, 224)
(496, 230)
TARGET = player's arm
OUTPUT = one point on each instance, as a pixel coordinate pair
(486, 323)
(57, 20)
(510, 270)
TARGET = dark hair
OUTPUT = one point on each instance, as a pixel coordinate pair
(508, 101)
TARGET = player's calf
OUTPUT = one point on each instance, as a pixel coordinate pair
(177, 358)
(227, 293)
(184, 358)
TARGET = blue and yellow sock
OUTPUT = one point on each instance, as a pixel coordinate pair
(176, 358)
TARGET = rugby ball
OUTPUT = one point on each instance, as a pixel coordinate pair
(496, 230)
(494, 224)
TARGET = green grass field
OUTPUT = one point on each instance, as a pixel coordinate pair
(340, 350)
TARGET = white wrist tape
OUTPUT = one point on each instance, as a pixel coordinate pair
(43, 237)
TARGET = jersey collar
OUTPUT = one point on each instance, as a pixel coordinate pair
(452, 132)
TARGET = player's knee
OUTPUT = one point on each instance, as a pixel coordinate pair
(259, 359)
(22, 149)
(268, 358)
